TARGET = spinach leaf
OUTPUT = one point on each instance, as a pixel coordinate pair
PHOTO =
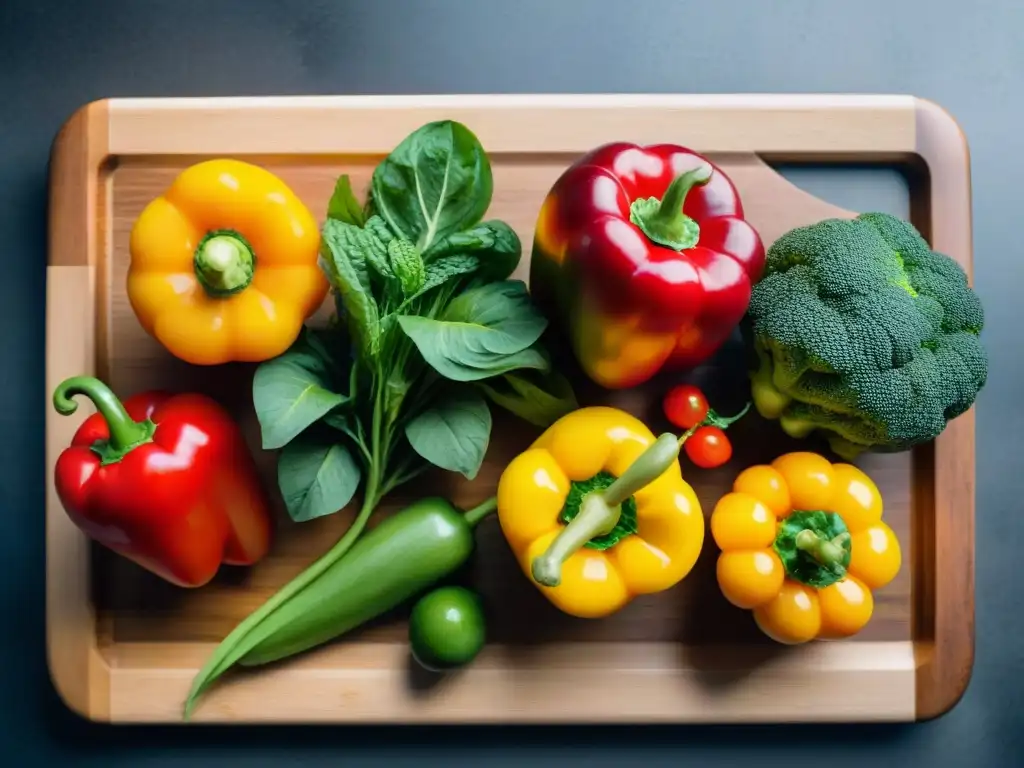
(538, 399)
(292, 391)
(447, 352)
(453, 433)
(496, 317)
(343, 258)
(488, 330)
(494, 243)
(436, 182)
(343, 205)
(316, 477)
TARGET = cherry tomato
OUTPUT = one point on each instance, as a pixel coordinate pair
(708, 447)
(685, 406)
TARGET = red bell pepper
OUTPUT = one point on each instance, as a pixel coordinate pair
(164, 480)
(643, 256)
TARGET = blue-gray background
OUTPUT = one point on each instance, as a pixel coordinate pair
(55, 56)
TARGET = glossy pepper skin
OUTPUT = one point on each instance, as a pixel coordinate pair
(164, 480)
(224, 265)
(649, 541)
(644, 257)
(804, 546)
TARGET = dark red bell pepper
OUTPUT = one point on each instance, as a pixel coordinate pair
(643, 257)
(164, 480)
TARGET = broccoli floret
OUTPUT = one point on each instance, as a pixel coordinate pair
(859, 329)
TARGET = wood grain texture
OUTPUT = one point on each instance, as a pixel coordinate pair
(685, 655)
(637, 682)
(944, 510)
(365, 125)
(77, 223)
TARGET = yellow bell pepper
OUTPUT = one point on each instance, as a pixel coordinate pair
(803, 545)
(597, 512)
(224, 265)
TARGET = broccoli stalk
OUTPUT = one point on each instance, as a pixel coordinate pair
(862, 332)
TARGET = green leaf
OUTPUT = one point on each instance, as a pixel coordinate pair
(453, 433)
(486, 331)
(407, 265)
(494, 243)
(343, 205)
(537, 398)
(436, 182)
(290, 392)
(445, 268)
(505, 305)
(377, 227)
(445, 362)
(316, 478)
(344, 261)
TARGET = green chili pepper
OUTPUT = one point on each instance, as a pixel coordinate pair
(401, 557)
(405, 554)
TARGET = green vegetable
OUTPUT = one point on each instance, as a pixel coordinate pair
(436, 183)
(345, 259)
(447, 268)
(494, 243)
(407, 265)
(539, 398)
(424, 307)
(294, 391)
(317, 476)
(402, 556)
(860, 330)
(454, 432)
(486, 331)
(343, 205)
(447, 628)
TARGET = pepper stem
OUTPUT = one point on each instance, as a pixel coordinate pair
(600, 510)
(480, 511)
(125, 433)
(224, 262)
(663, 221)
(827, 552)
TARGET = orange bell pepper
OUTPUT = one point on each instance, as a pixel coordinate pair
(803, 545)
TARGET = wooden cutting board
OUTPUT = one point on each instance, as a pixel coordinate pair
(123, 646)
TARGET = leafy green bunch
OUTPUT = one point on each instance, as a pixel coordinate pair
(429, 330)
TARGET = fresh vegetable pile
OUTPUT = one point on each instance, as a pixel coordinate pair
(644, 263)
(430, 330)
